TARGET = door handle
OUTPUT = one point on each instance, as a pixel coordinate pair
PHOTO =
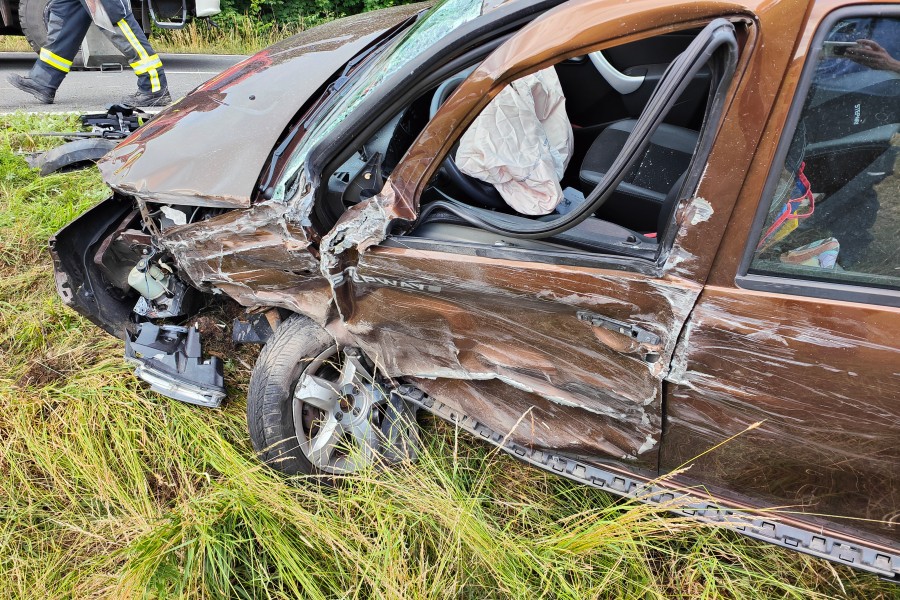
(622, 83)
(638, 340)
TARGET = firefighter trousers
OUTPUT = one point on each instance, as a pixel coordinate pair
(68, 24)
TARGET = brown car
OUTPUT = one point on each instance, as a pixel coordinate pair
(606, 236)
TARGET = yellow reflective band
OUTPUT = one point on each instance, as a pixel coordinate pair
(147, 64)
(154, 81)
(132, 39)
(55, 61)
(142, 66)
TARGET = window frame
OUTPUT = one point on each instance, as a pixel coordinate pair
(469, 44)
(787, 283)
(620, 258)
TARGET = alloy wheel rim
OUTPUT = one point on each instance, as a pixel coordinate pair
(336, 405)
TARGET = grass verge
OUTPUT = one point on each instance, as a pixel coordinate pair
(240, 35)
(108, 490)
(236, 35)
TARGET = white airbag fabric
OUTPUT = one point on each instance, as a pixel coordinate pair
(521, 143)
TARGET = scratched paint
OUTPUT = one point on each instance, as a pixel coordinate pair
(699, 211)
(818, 375)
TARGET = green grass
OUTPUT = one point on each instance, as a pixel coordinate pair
(108, 490)
(238, 35)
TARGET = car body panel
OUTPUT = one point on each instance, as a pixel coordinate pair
(186, 155)
(256, 256)
(518, 322)
(608, 387)
(822, 377)
(799, 381)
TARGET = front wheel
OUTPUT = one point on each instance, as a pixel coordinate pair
(313, 408)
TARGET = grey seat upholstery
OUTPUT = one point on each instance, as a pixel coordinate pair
(638, 200)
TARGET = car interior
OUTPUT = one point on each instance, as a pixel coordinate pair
(832, 213)
(605, 94)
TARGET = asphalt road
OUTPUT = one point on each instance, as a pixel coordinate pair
(87, 91)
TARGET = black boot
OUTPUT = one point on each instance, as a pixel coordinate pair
(139, 98)
(27, 84)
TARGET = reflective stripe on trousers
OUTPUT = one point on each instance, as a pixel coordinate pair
(147, 64)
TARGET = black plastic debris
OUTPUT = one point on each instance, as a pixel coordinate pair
(103, 131)
(257, 329)
(169, 358)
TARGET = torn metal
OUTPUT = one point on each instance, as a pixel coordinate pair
(571, 361)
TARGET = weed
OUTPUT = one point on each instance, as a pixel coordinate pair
(108, 490)
(239, 34)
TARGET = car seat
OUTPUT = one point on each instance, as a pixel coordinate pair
(638, 202)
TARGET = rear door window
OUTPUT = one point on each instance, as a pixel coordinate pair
(834, 214)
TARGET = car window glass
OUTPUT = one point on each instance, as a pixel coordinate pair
(834, 214)
(440, 21)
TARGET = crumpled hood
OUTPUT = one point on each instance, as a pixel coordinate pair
(209, 148)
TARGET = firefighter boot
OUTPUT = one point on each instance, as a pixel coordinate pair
(140, 98)
(45, 94)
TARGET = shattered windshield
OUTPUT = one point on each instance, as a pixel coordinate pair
(445, 17)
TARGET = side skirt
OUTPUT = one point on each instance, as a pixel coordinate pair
(815, 543)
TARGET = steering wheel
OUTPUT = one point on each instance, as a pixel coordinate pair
(475, 190)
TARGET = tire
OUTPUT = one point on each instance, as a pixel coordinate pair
(33, 19)
(270, 415)
(33, 15)
(315, 410)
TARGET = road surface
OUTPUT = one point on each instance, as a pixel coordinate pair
(89, 91)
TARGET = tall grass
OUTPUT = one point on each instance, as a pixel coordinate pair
(13, 43)
(108, 490)
(239, 34)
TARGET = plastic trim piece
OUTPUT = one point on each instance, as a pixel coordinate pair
(815, 543)
(622, 83)
(169, 358)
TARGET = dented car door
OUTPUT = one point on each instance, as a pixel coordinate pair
(563, 357)
(557, 351)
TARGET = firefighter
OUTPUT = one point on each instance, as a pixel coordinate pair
(67, 25)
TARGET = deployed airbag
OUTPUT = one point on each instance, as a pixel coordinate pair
(521, 143)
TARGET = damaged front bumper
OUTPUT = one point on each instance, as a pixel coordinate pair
(170, 359)
(79, 278)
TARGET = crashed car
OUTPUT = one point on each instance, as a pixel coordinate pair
(604, 236)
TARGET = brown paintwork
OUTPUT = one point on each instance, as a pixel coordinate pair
(188, 153)
(498, 319)
(586, 375)
(823, 376)
(257, 257)
(500, 339)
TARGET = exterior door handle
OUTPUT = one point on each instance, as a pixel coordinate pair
(637, 340)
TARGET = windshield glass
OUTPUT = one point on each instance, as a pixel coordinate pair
(441, 20)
